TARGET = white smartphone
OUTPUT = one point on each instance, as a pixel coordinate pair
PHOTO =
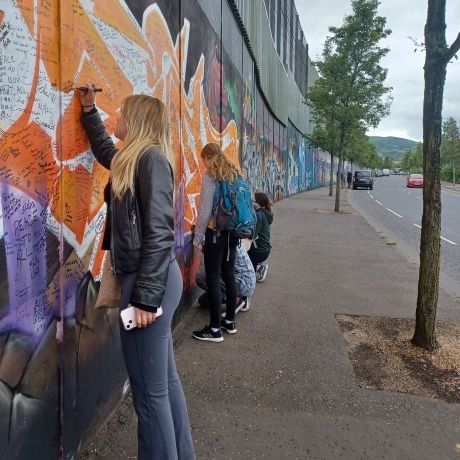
(128, 317)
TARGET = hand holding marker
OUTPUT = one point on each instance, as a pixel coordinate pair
(88, 96)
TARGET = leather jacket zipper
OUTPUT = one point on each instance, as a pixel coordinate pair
(133, 222)
(112, 245)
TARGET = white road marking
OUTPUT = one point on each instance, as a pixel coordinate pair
(418, 198)
(448, 241)
(372, 196)
(378, 202)
(395, 213)
(409, 193)
(442, 238)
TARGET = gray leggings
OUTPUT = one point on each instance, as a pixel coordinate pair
(163, 425)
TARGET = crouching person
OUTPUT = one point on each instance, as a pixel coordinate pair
(261, 246)
(245, 280)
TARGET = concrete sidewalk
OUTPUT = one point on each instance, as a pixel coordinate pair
(451, 186)
(283, 386)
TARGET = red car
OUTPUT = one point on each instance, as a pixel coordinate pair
(415, 180)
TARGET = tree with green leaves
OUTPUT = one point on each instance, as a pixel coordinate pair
(450, 145)
(387, 163)
(412, 160)
(437, 55)
(360, 150)
(350, 91)
(326, 138)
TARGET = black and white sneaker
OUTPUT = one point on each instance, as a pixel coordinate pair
(240, 304)
(230, 328)
(207, 334)
(247, 302)
(261, 274)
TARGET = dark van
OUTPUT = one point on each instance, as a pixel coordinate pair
(362, 178)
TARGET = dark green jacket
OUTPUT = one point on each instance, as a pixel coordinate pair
(262, 234)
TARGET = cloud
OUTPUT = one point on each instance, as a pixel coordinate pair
(405, 68)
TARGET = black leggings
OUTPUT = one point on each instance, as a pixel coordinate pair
(258, 257)
(219, 263)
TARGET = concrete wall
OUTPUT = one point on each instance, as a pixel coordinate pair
(61, 371)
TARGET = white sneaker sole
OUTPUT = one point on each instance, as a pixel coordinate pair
(264, 277)
(209, 339)
(238, 309)
(233, 331)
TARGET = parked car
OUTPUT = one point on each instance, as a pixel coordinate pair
(385, 172)
(415, 180)
(363, 179)
(378, 173)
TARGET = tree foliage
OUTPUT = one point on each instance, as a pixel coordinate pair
(326, 137)
(361, 151)
(412, 160)
(450, 149)
(387, 163)
(450, 145)
(349, 96)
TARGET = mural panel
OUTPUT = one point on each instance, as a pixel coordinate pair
(57, 352)
(247, 149)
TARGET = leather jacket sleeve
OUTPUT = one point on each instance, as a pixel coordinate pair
(101, 143)
(155, 199)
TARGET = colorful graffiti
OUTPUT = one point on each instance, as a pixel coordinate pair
(192, 56)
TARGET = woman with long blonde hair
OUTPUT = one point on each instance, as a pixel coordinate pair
(140, 236)
(219, 247)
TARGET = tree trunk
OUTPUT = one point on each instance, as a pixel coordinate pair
(430, 244)
(331, 176)
(340, 167)
(337, 185)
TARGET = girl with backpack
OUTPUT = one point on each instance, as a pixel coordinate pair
(218, 246)
(261, 246)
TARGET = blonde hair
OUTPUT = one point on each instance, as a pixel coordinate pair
(221, 167)
(147, 126)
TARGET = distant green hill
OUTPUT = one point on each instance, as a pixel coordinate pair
(393, 147)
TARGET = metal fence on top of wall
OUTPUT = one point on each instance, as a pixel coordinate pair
(58, 354)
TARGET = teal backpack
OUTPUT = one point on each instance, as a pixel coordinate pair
(233, 208)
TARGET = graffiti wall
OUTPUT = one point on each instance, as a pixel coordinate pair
(60, 359)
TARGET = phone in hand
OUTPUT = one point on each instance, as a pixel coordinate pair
(128, 317)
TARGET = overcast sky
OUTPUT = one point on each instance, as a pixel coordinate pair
(405, 69)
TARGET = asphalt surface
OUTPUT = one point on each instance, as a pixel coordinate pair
(396, 210)
(283, 387)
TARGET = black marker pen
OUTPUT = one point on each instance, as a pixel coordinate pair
(85, 90)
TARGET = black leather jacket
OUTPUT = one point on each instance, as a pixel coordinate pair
(141, 224)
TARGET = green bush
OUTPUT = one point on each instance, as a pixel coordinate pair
(446, 173)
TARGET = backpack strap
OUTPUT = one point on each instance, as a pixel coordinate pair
(215, 206)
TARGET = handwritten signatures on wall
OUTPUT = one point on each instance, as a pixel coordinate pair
(51, 187)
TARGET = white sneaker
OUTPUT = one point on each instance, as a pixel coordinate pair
(239, 306)
(262, 273)
(245, 307)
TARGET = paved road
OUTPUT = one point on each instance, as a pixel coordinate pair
(397, 211)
